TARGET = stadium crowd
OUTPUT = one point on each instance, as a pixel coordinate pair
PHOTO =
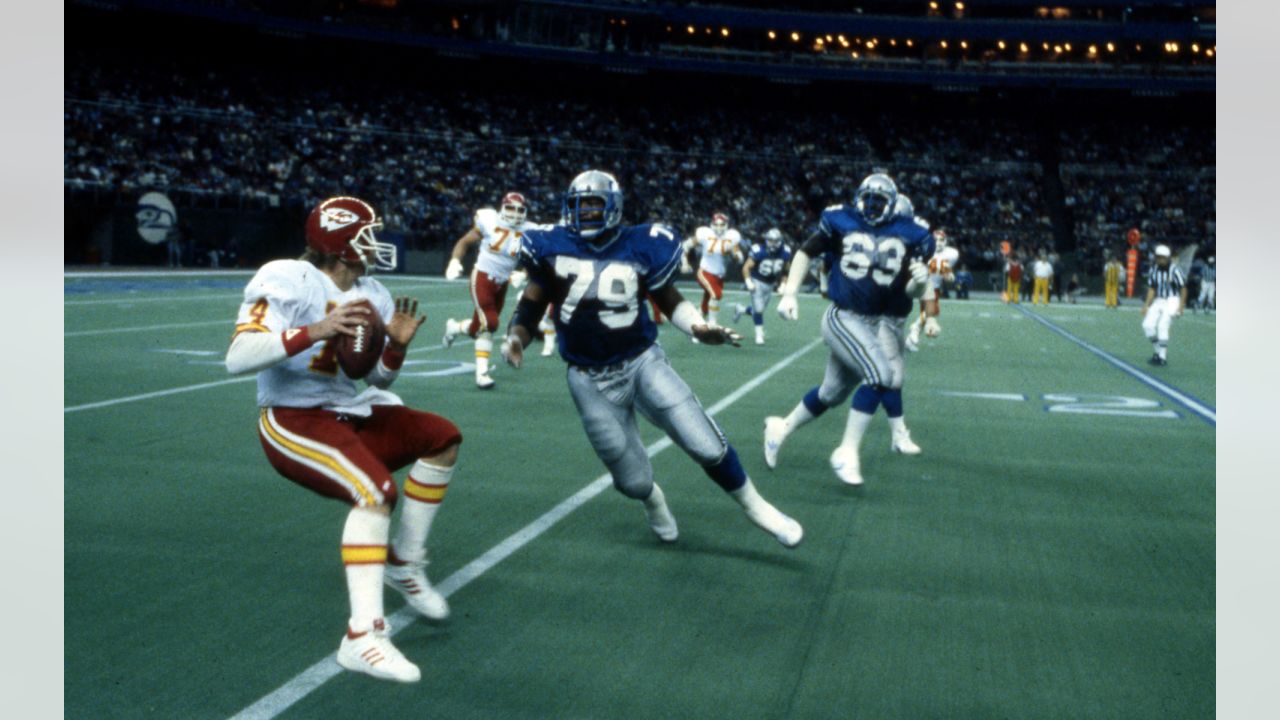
(430, 159)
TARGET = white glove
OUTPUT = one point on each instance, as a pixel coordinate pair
(931, 327)
(751, 284)
(685, 267)
(787, 308)
(919, 278)
(518, 279)
(454, 271)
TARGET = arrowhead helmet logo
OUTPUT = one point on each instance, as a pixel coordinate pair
(337, 218)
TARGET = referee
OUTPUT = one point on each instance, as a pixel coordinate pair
(1166, 299)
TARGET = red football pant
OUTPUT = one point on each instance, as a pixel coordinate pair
(712, 288)
(351, 458)
(489, 296)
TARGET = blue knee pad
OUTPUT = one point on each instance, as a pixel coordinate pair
(867, 398)
(728, 473)
(813, 404)
(891, 399)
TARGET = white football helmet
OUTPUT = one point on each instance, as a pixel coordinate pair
(514, 208)
(719, 224)
(876, 198)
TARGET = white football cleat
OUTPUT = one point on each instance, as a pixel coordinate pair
(373, 654)
(410, 580)
(844, 461)
(759, 336)
(484, 382)
(661, 521)
(738, 311)
(902, 443)
(548, 348)
(770, 519)
(913, 338)
(775, 431)
(451, 331)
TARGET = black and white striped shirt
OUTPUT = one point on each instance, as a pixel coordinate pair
(1208, 274)
(1167, 282)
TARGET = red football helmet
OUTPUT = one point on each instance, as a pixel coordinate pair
(514, 208)
(344, 226)
(719, 223)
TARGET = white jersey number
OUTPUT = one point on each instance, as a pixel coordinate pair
(616, 289)
(862, 256)
(769, 267)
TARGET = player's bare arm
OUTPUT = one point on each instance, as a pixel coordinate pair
(404, 324)
(460, 250)
(747, 267)
(529, 311)
(675, 306)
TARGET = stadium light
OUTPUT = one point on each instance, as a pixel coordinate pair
(691, 30)
(855, 55)
(1057, 48)
(830, 39)
(933, 5)
(773, 35)
(795, 37)
(964, 44)
(1209, 52)
(943, 44)
(1022, 47)
(871, 45)
(959, 6)
(1093, 49)
(910, 42)
(724, 32)
(1067, 47)
(1195, 47)
(1000, 44)
(1111, 47)
(893, 42)
(1046, 46)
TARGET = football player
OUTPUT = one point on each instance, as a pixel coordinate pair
(598, 271)
(713, 244)
(763, 270)
(944, 257)
(498, 235)
(877, 249)
(322, 431)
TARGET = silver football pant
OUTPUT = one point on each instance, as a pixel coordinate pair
(607, 400)
(760, 297)
(863, 348)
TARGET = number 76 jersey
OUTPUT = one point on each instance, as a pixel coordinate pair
(597, 290)
(866, 261)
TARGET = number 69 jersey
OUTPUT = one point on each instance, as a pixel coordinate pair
(866, 259)
(597, 290)
(292, 294)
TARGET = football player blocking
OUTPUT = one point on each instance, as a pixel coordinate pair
(713, 244)
(498, 234)
(765, 266)
(598, 273)
(866, 247)
(323, 432)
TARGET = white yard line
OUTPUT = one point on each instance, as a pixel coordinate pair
(231, 324)
(321, 672)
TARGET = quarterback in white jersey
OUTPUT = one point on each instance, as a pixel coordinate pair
(498, 234)
(713, 243)
(320, 430)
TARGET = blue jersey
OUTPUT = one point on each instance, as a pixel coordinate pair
(866, 261)
(769, 263)
(598, 291)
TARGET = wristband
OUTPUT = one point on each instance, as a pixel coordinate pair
(296, 340)
(392, 359)
(684, 317)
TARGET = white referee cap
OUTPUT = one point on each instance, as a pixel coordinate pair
(1163, 251)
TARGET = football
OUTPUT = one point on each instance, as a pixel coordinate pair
(359, 353)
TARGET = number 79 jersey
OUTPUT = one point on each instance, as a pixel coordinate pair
(600, 319)
(866, 260)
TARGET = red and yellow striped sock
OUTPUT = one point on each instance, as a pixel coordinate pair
(424, 490)
(364, 556)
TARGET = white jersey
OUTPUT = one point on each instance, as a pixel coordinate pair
(714, 248)
(499, 244)
(288, 294)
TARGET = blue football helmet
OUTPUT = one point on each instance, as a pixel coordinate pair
(773, 239)
(590, 219)
(876, 198)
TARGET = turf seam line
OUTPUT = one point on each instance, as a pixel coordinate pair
(1202, 409)
(303, 684)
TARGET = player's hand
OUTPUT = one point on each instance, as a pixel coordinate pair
(518, 280)
(454, 271)
(931, 327)
(685, 267)
(342, 320)
(751, 284)
(788, 309)
(716, 335)
(512, 351)
(404, 324)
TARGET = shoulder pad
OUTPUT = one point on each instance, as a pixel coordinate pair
(486, 218)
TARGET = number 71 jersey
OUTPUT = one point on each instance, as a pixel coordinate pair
(866, 260)
(598, 290)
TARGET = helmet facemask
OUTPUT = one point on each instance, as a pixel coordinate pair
(876, 198)
(593, 204)
(367, 249)
(719, 224)
(513, 210)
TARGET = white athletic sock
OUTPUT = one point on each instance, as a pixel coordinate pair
(799, 416)
(424, 490)
(364, 555)
(713, 312)
(854, 428)
(747, 496)
(759, 334)
(484, 348)
(1162, 350)
(898, 425)
(452, 327)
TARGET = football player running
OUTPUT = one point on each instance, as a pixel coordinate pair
(713, 244)
(597, 272)
(876, 250)
(944, 258)
(320, 430)
(763, 270)
(498, 233)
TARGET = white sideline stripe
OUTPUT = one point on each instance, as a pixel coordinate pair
(1012, 397)
(144, 328)
(1208, 414)
(280, 699)
(202, 386)
(177, 298)
(216, 273)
